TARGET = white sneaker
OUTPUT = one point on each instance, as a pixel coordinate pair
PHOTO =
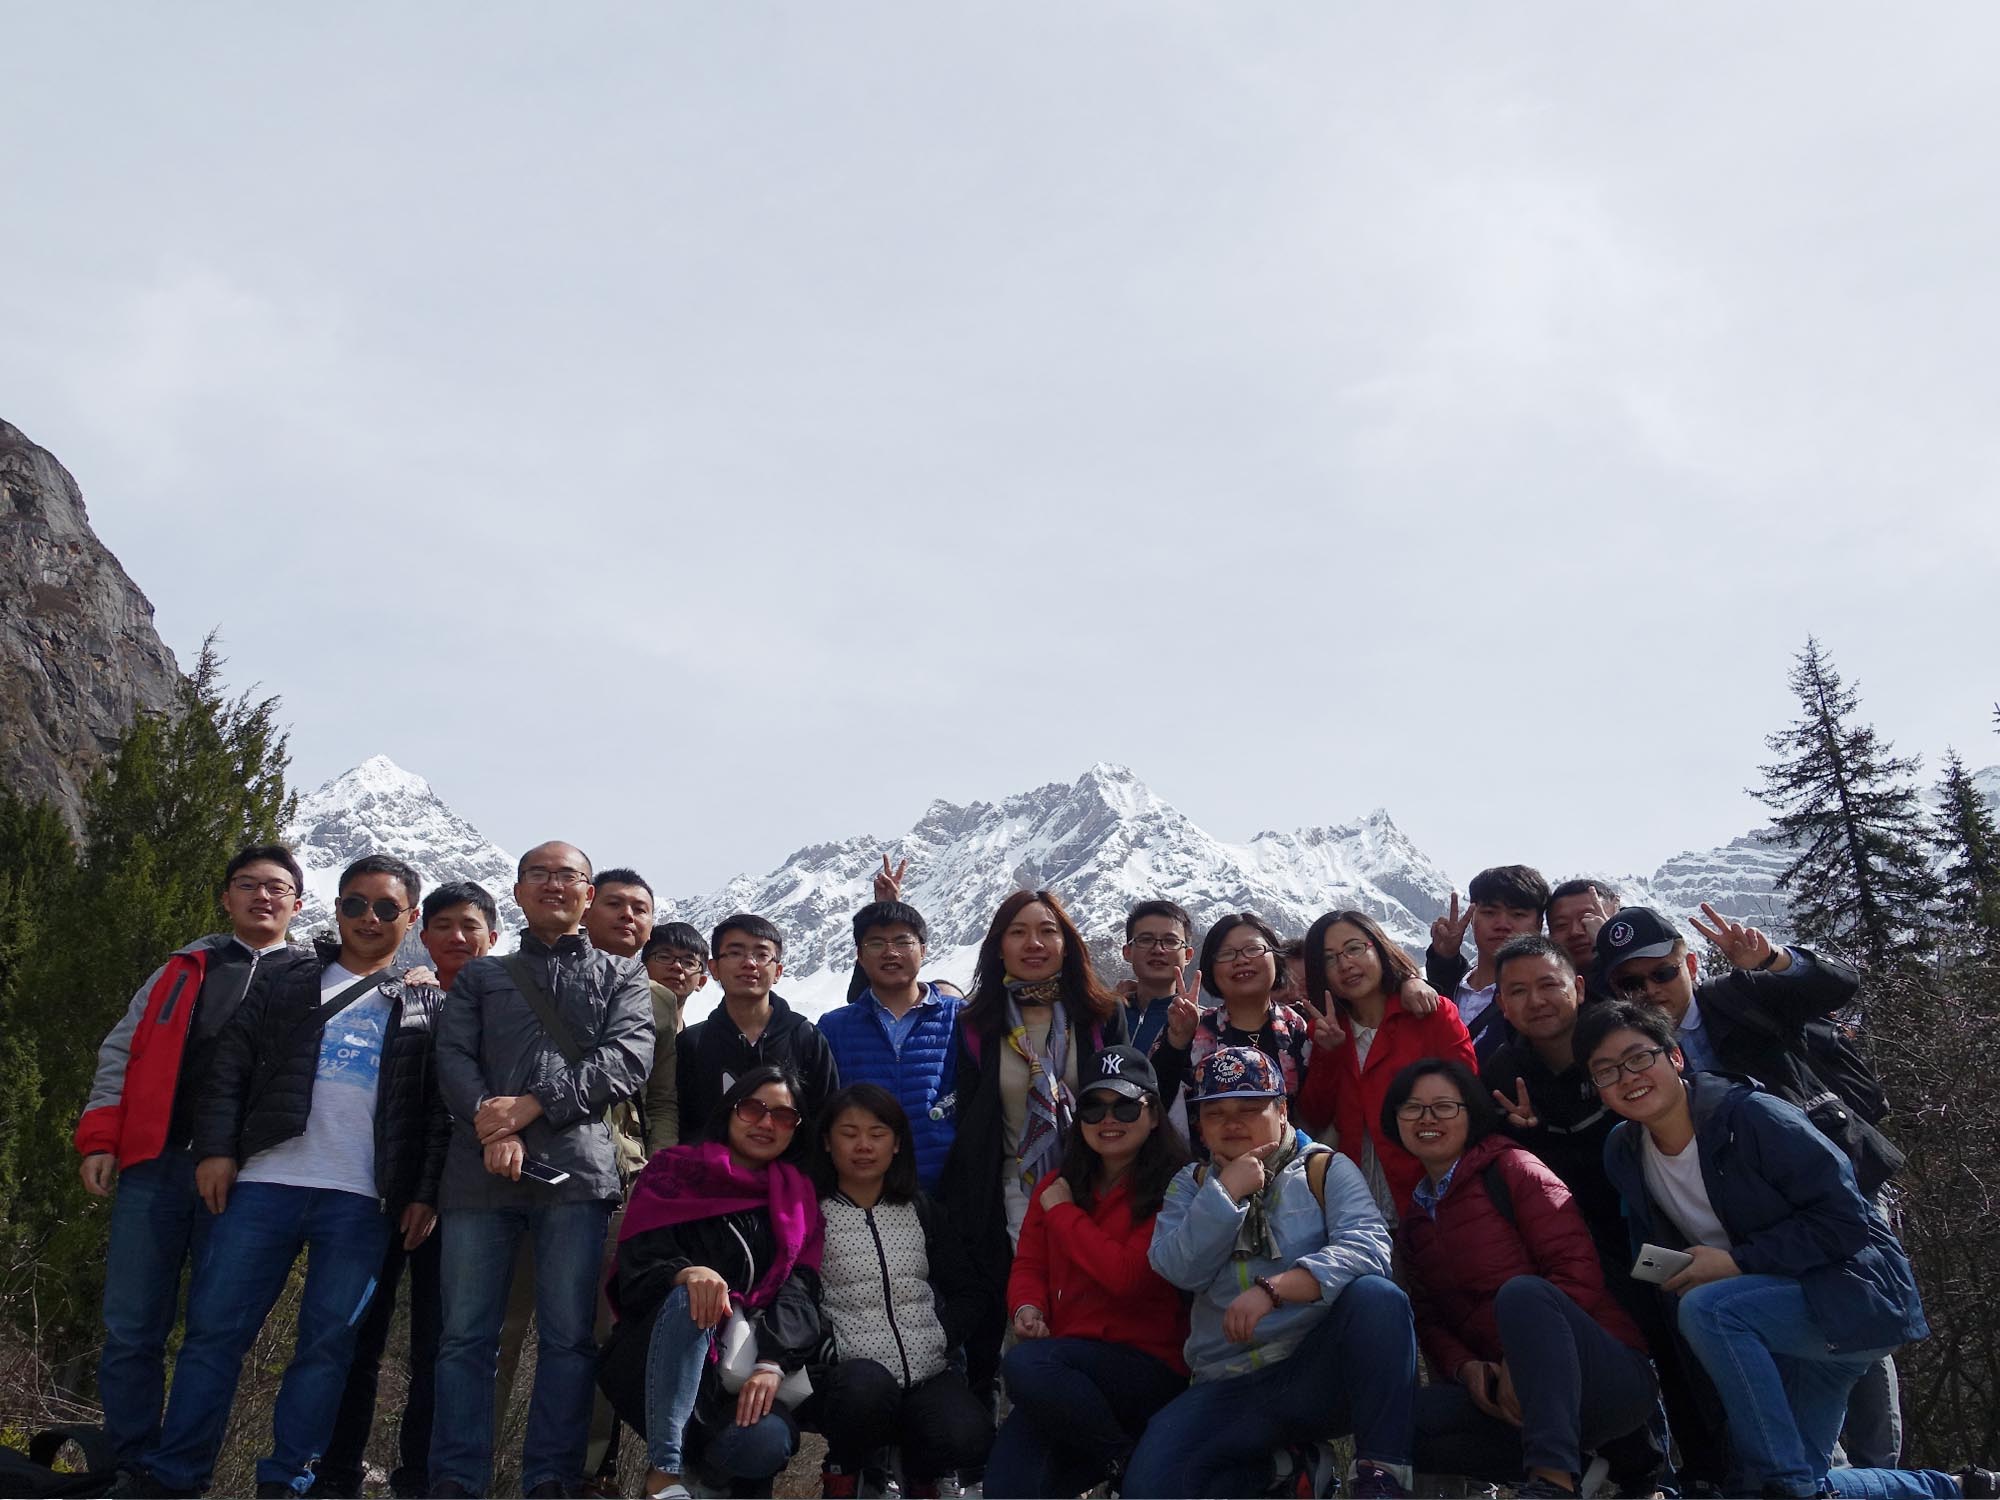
(674, 1491)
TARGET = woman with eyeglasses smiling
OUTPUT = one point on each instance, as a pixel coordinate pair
(1100, 1331)
(725, 1225)
(1536, 1363)
(1383, 1017)
(1795, 1283)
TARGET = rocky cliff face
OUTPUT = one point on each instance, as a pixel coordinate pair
(78, 652)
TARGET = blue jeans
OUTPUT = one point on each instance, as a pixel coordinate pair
(1356, 1372)
(158, 1225)
(1578, 1387)
(676, 1356)
(1784, 1392)
(477, 1262)
(243, 1269)
(1079, 1406)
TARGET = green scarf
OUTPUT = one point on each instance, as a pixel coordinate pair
(1254, 1238)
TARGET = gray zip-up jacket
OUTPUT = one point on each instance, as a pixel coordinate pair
(490, 1043)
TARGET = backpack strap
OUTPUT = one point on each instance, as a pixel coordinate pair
(536, 994)
(1318, 1164)
(1498, 1190)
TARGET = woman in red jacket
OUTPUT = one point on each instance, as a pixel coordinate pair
(1354, 971)
(1101, 1332)
(1535, 1362)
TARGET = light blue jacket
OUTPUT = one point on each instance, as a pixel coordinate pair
(1194, 1247)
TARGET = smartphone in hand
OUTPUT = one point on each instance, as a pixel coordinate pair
(1660, 1265)
(542, 1172)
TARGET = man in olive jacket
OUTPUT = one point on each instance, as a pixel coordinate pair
(533, 1049)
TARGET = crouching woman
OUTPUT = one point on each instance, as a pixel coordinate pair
(1297, 1331)
(899, 1293)
(1536, 1363)
(720, 1224)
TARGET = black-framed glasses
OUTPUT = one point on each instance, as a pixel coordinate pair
(1634, 1063)
(1443, 1109)
(754, 1111)
(1093, 1110)
(1152, 940)
(354, 908)
(676, 959)
(903, 944)
(1353, 950)
(249, 885)
(1248, 950)
(542, 875)
(1655, 979)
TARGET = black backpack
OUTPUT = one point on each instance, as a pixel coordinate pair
(32, 1474)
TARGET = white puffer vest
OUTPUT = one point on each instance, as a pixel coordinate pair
(875, 1288)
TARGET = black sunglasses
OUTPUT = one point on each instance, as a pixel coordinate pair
(355, 907)
(1658, 979)
(1093, 1110)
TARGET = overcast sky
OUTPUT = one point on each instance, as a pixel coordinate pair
(698, 431)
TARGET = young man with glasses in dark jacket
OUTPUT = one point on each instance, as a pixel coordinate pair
(319, 1131)
(139, 1122)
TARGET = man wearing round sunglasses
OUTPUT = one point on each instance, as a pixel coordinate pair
(317, 1133)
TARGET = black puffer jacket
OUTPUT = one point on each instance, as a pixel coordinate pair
(266, 1060)
(788, 1330)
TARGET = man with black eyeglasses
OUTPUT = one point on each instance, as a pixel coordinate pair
(139, 1122)
(898, 1031)
(752, 1026)
(534, 1048)
(1158, 945)
(319, 1131)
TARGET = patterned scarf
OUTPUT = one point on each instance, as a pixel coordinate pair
(1049, 1101)
(703, 1181)
(1254, 1237)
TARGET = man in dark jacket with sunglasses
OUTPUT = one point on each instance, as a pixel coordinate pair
(320, 1129)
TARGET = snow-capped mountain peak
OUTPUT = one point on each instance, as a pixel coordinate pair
(380, 808)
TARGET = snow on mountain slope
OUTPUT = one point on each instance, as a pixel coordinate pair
(379, 808)
(1101, 844)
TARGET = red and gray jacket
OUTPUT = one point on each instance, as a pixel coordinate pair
(131, 1101)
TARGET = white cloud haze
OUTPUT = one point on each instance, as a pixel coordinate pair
(701, 431)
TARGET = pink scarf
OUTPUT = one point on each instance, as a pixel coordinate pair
(686, 1183)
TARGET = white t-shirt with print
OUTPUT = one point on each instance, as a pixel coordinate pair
(337, 1150)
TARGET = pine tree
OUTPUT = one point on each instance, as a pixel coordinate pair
(181, 794)
(1861, 883)
(1968, 845)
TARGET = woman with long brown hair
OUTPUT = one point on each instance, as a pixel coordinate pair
(1354, 972)
(1036, 1018)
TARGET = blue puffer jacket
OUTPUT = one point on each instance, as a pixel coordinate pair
(921, 1076)
(1786, 1196)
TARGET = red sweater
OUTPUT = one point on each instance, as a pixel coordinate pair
(1334, 1089)
(1457, 1263)
(1089, 1275)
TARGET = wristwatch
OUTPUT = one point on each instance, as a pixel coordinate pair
(1270, 1289)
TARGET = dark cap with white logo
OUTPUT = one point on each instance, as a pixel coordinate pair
(1120, 1070)
(1634, 932)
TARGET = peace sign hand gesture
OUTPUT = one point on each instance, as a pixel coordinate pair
(1327, 1032)
(888, 882)
(1520, 1113)
(1184, 1012)
(1745, 947)
(1448, 932)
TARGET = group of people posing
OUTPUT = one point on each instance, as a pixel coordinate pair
(1193, 1226)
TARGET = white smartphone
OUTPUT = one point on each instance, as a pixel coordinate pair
(541, 1171)
(1658, 1264)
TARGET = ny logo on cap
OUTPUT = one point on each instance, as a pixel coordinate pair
(1621, 934)
(1113, 1063)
